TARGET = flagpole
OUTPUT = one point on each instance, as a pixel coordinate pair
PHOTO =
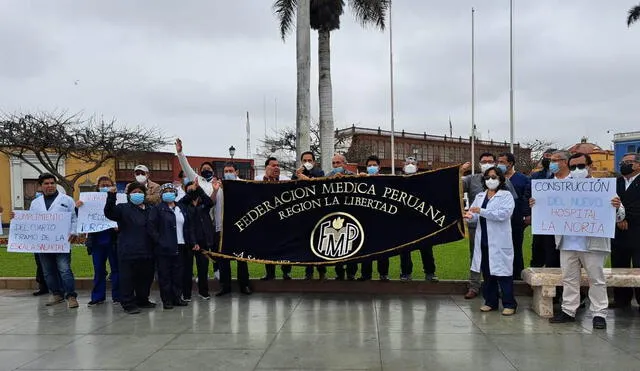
(511, 123)
(393, 129)
(473, 91)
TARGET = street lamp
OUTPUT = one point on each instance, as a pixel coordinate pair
(232, 151)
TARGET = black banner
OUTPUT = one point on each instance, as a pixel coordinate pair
(325, 221)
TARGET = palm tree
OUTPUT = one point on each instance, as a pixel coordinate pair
(633, 16)
(325, 17)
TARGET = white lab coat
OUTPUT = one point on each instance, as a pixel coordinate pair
(62, 204)
(498, 216)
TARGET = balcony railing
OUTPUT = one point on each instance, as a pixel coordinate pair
(626, 136)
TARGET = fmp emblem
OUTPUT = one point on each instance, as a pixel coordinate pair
(337, 236)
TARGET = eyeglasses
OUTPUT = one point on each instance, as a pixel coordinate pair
(578, 166)
(490, 177)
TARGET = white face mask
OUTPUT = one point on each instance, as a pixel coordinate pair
(410, 169)
(485, 167)
(141, 179)
(492, 184)
(579, 173)
(308, 166)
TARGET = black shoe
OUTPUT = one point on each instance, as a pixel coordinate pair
(167, 306)
(95, 302)
(147, 305)
(308, 277)
(267, 278)
(351, 278)
(180, 303)
(286, 277)
(339, 278)
(246, 290)
(599, 323)
(364, 278)
(384, 278)
(40, 292)
(562, 317)
(617, 305)
(222, 292)
(132, 310)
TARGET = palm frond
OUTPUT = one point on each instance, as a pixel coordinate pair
(284, 10)
(634, 15)
(370, 12)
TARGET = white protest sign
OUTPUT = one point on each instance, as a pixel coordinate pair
(574, 207)
(91, 214)
(36, 232)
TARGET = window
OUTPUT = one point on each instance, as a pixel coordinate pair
(381, 151)
(122, 165)
(631, 148)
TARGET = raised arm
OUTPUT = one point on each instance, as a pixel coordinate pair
(184, 163)
(111, 211)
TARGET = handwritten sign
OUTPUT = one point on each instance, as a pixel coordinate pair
(574, 207)
(91, 217)
(35, 232)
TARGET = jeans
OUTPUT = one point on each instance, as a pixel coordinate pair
(42, 283)
(100, 255)
(58, 274)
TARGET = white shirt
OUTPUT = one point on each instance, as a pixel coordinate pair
(217, 211)
(574, 243)
(627, 182)
(179, 225)
(206, 185)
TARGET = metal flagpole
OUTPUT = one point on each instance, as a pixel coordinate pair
(393, 144)
(511, 123)
(473, 92)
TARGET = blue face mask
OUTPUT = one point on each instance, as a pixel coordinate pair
(168, 197)
(337, 170)
(38, 194)
(372, 170)
(136, 198)
(230, 176)
(502, 168)
(554, 167)
(104, 189)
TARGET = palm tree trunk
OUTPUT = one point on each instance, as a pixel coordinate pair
(303, 59)
(325, 94)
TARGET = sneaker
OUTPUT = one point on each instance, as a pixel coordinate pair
(116, 301)
(362, 279)
(351, 278)
(223, 291)
(54, 299)
(72, 302)
(186, 299)
(216, 275)
(486, 308)
(95, 302)
(322, 276)
(180, 303)
(431, 278)
(167, 306)
(147, 304)
(204, 297)
(132, 310)
(508, 311)
(384, 278)
(267, 278)
(599, 323)
(562, 317)
(471, 294)
(405, 277)
(40, 292)
(286, 277)
(246, 290)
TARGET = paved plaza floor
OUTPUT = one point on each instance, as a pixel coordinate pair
(307, 332)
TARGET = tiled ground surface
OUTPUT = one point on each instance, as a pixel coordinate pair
(305, 332)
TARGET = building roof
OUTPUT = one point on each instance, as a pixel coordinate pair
(585, 147)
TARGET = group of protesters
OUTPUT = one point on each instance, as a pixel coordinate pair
(163, 228)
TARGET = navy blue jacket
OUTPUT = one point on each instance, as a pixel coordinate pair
(200, 217)
(316, 172)
(522, 185)
(162, 229)
(133, 240)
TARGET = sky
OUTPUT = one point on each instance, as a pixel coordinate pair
(193, 68)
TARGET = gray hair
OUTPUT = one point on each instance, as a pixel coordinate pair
(341, 156)
(564, 154)
(636, 156)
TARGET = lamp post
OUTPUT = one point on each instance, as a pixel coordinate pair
(232, 151)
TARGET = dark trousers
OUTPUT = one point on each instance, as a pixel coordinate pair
(366, 268)
(202, 267)
(625, 253)
(42, 283)
(406, 264)
(351, 269)
(308, 270)
(100, 254)
(426, 255)
(545, 245)
(517, 237)
(225, 273)
(493, 284)
(538, 252)
(170, 277)
(135, 284)
(270, 270)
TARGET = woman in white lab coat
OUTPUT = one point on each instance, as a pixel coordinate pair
(493, 254)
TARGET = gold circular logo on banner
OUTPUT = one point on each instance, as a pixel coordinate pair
(337, 236)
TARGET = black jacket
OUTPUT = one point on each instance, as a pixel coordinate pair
(162, 229)
(133, 240)
(200, 217)
(631, 200)
(316, 172)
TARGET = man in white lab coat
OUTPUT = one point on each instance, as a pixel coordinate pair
(57, 266)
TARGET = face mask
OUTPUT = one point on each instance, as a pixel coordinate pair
(308, 166)
(104, 189)
(193, 193)
(141, 179)
(230, 176)
(545, 163)
(492, 184)
(207, 174)
(579, 173)
(502, 168)
(372, 170)
(168, 197)
(554, 167)
(410, 169)
(337, 170)
(136, 198)
(38, 194)
(626, 169)
(185, 181)
(485, 167)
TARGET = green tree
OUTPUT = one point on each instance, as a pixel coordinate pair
(633, 15)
